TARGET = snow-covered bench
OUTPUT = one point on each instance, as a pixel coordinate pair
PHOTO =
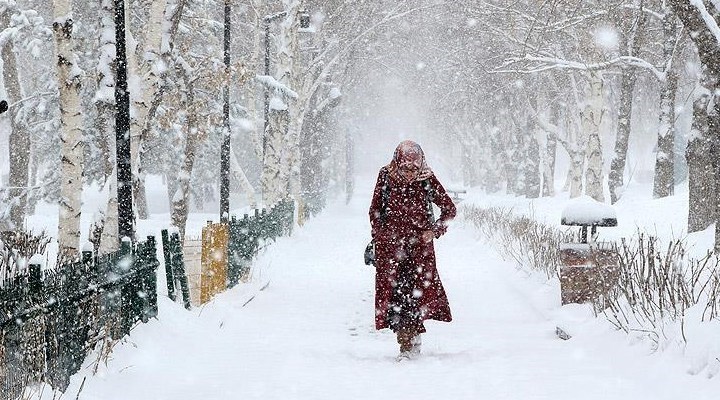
(455, 193)
(588, 269)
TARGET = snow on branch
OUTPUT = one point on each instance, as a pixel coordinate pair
(558, 26)
(357, 39)
(550, 63)
(657, 15)
(709, 20)
(272, 83)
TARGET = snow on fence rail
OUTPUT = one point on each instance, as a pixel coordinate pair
(50, 320)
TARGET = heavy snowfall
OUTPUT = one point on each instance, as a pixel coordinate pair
(185, 193)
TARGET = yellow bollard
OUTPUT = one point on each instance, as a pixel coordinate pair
(213, 278)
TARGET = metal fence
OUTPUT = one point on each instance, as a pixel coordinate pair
(51, 320)
(247, 236)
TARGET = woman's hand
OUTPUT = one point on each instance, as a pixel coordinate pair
(427, 236)
(439, 229)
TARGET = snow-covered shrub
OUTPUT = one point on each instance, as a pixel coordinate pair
(529, 243)
(659, 291)
(657, 287)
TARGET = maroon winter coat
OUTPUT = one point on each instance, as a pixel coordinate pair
(398, 240)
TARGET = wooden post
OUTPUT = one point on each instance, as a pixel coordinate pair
(214, 260)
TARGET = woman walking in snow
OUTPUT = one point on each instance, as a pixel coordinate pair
(408, 290)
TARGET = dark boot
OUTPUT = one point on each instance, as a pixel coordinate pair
(409, 342)
(404, 339)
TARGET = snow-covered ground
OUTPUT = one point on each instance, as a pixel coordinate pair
(302, 328)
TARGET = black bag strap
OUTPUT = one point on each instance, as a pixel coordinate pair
(429, 197)
(385, 199)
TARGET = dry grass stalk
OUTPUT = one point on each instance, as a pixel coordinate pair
(16, 249)
(656, 285)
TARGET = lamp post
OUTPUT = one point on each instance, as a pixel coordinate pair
(122, 130)
(225, 148)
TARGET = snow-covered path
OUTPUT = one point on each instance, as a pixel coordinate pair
(309, 335)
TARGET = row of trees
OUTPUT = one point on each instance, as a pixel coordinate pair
(518, 82)
(62, 108)
(513, 84)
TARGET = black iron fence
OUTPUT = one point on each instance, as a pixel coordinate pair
(247, 236)
(50, 320)
(175, 267)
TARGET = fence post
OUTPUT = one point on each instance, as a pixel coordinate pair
(123, 266)
(150, 278)
(263, 224)
(179, 268)
(168, 265)
(35, 280)
(290, 216)
(233, 253)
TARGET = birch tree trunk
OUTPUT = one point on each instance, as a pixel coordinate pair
(591, 120)
(631, 47)
(147, 70)
(68, 73)
(19, 140)
(105, 104)
(575, 144)
(277, 158)
(664, 182)
(468, 164)
(533, 164)
(254, 62)
(157, 40)
(302, 85)
(496, 161)
(617, 164)
(181, 197)
(512, 160)
(548, 172)
(575, 147)
(549, 154)
(701, 176)
(272, 179)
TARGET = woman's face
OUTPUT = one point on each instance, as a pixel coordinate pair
(409, 170)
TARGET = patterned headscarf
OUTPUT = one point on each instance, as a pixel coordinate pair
(409, 152)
